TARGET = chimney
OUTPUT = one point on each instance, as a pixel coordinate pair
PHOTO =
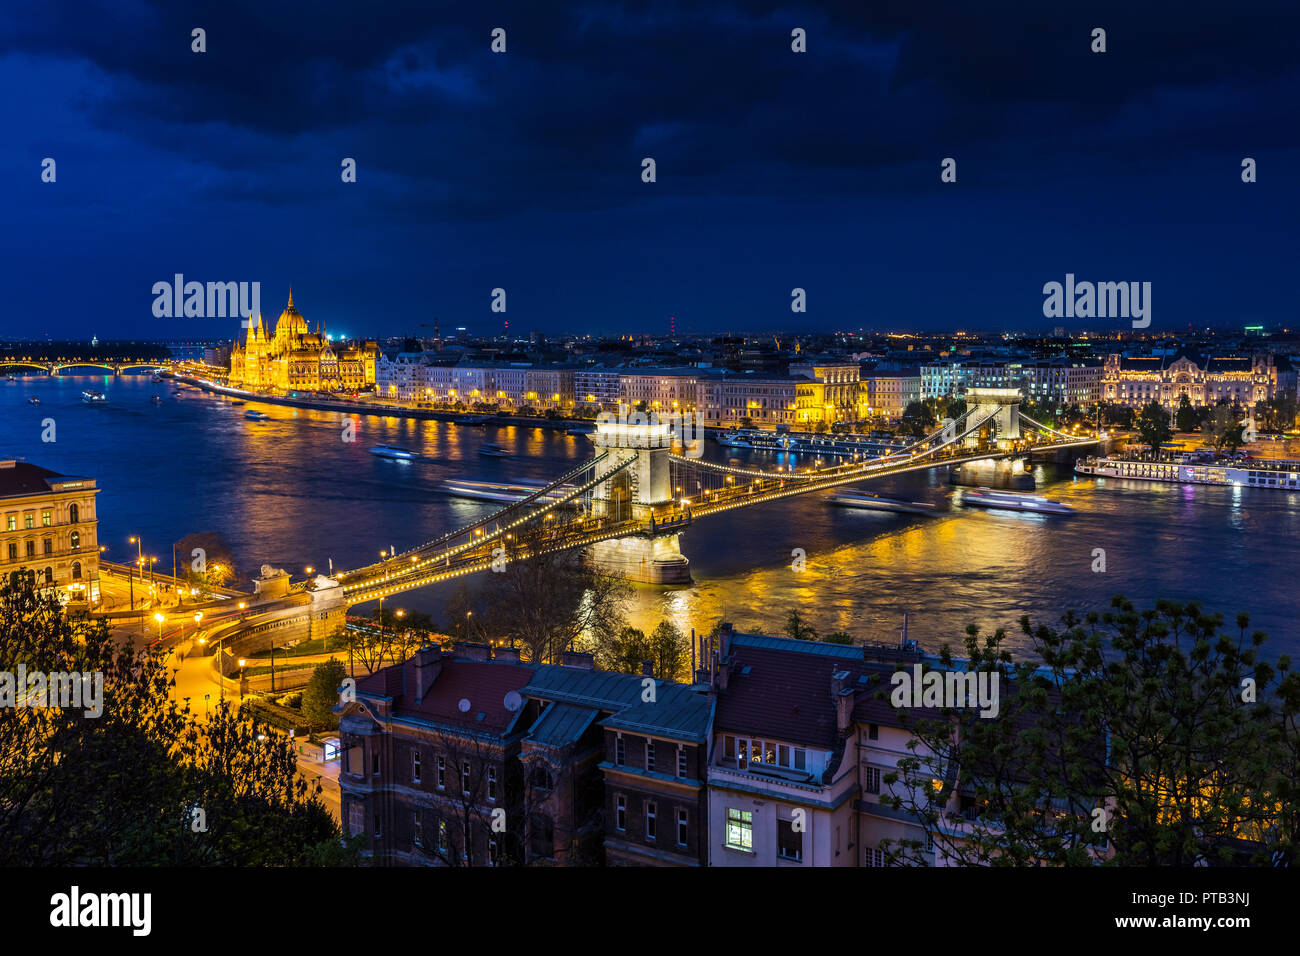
(844, 698)
(575, 659)
(471, 652)
(647, 669)
(428, 665)
(507, 655)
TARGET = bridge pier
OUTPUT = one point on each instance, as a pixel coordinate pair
(642, 558)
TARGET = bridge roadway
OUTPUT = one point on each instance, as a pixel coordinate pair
(53, 368)
(427, 565)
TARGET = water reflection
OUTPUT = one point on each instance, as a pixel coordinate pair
(292, 492)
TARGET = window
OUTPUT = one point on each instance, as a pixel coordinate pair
(29, 520)
(442, 773)
(789, 841)
(74, 515)
(681, 828)
(492, 784)
(74, 540)
(540, 778)
(31, 549)
(442, 835)
(871, 780)
(620, 813)
(494, 855)
(374, 762)
(415, 766)
(13, 551)
(620, 751)
(76, 570)
(873, 731)
(45, 519)
(49, 575)
(740, 829)
(48, 545)
(681, 761)
(649, 754)
(464, 778)
(378, 826)
(543, 836)
(929, 842)
(417, 830)
(11, 522)
(356, 818)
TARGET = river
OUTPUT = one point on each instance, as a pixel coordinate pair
(292, 492)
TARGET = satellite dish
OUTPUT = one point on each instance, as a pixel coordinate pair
(464, 705)
(514, 701)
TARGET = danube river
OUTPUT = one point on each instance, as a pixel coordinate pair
(291, 492)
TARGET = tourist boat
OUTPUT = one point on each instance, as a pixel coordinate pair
(507, 492)
(33, 400)
(734, 439)
(91, 397)
(393, 451)
(236, 404)
(984, 498)
(870, 502)
(157, 379)
(1199, 469)
(255, 416)
(493, 450)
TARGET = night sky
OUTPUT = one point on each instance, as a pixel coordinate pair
(522, 170)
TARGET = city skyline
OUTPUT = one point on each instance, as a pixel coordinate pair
(522, 170)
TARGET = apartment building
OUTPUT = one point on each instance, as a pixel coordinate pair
(887, 392)
(49, 531)
(469, 757)
(758, 400)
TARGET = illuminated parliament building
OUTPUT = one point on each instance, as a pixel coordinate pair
(294, 357)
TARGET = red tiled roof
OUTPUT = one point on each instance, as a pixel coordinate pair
(484, 684)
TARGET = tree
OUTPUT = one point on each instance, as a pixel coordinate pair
(918, 419)
(127, 776)
(322, 693)
(1152, 424)
(548, 600)
(670, 651)
(623, 651)
(1186, 418)
(1139, 738)
(838, 637)
(954, 407)
(205, 559)
(1224, 427)
(796, 629)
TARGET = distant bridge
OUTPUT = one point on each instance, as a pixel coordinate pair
(53, 368)
(625, 505)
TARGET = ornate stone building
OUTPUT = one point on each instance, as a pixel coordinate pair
(1135, 381)
(294, 357)
(48, 529)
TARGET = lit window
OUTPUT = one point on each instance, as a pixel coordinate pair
(740, 829)
(651, 821)
(620, 813)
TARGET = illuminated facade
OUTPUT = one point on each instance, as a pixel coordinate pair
(48, 530)
(1204, 380)
(294, 357)
(830, 393)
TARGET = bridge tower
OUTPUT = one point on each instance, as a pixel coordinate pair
(636, 493)
(1004, 405)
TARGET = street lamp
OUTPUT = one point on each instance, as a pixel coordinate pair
(159, 618)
